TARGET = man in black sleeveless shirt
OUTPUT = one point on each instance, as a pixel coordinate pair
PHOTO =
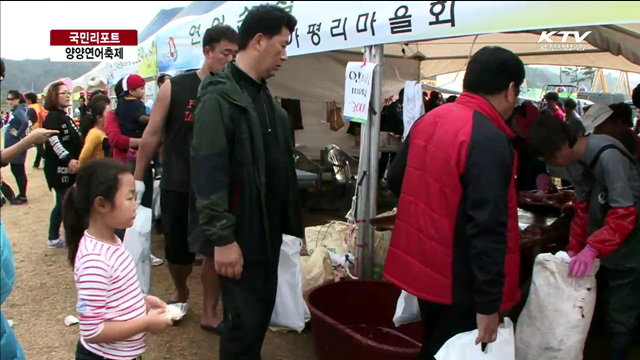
(171, 124)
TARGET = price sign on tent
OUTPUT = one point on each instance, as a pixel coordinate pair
(357, 91)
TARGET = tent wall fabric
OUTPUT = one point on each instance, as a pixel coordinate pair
(603, 60)
(318, 79)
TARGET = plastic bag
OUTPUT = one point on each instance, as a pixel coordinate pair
(555, 320)
(290, 310)
(462, 346)
(137, 241)
(156, 200)
(407, 309)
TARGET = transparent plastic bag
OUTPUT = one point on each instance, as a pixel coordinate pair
(137, 241)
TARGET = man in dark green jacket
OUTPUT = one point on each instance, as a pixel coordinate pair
(244, 180)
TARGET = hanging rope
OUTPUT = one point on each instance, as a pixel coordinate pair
(353, 224)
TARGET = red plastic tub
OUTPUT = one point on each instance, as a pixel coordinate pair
(354, 320)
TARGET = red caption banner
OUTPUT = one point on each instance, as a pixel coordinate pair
(94, 37)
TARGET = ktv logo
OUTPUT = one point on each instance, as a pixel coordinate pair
(548, 41)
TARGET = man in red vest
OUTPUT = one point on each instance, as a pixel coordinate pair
(455, 243)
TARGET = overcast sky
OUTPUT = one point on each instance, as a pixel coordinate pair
(25, 25)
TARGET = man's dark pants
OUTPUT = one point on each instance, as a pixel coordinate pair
(620, 299)
(39, 155)
(248, 304)
(442, 322)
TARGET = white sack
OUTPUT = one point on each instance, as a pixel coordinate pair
(316, 269)
(555, 320)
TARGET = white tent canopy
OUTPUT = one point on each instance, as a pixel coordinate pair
(315, 73)
(416, 23)
(615, 47)
(94, 78)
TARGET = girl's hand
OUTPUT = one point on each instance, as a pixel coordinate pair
(158, 320)
(154, 303)
(13, 132)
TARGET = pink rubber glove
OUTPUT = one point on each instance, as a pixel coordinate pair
(581, 264)
(571, 254)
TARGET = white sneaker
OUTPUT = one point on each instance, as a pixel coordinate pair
(57, 244)
(156, 261)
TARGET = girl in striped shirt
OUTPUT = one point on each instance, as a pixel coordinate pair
(114, 315)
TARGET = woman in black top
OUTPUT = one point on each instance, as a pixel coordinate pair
(61, 154)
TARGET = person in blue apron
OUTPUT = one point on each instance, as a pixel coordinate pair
(9, 346)
(606, 179)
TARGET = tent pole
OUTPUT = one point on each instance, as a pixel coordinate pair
(377, 57)
(362, 258)
(369, 147)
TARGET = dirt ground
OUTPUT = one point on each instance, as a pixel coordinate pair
(44, 293)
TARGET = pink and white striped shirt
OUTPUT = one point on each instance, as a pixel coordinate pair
(108, 290)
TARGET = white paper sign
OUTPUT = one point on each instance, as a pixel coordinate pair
(412, 107)
(357, 91)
